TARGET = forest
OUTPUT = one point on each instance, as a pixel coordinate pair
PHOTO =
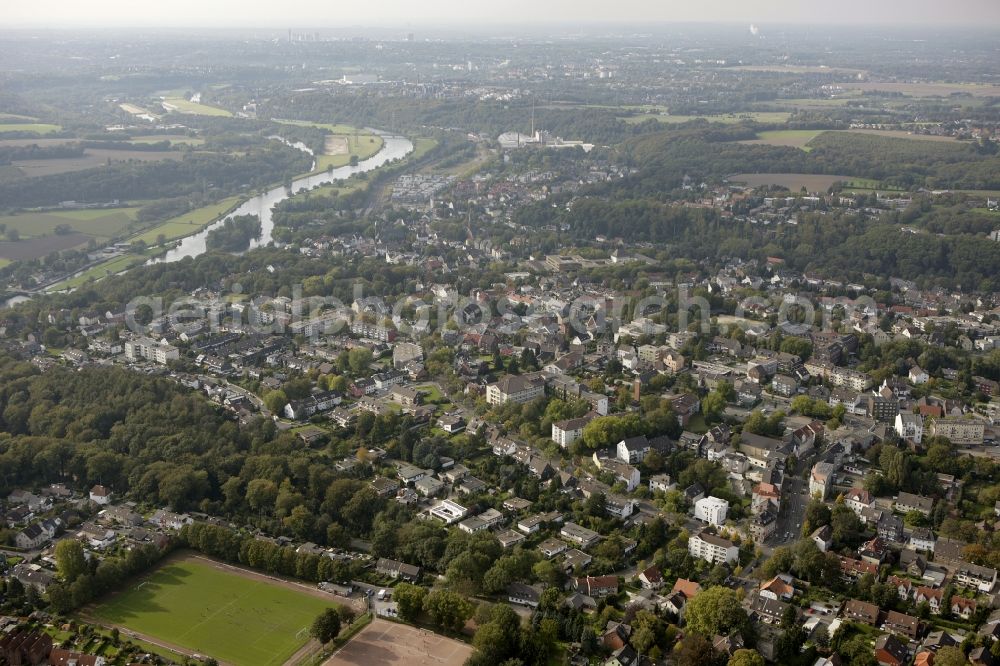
(235, 234)
(196, 173)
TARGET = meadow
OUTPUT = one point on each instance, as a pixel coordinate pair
(186, 224)
(100, 223)
(91, 159)
(789, 138)
(37, 128)
(793, 181)
(343, 143)
(235, 616)
(726, 119)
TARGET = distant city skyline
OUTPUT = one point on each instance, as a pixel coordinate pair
(316, 14)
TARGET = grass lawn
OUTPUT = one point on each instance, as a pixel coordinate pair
(181, 105)
(100, 223)
(433, 393)
(37, 128)
(230, 617)
(697, 425)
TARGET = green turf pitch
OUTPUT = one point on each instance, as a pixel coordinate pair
(232, 618)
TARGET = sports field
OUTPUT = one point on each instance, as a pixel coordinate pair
(236, 617)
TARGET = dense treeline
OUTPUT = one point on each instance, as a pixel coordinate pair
(491, 118)
(711, 154)
(195, 173)
(240, 548)
(10, 154)
(99, 577)
(838, 245)
(235, 234)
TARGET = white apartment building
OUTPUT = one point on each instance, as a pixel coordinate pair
(711, 510)
(150, 350)
(713, 548)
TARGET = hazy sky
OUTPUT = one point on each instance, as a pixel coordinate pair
(342, 13)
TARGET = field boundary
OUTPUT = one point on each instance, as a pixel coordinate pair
(309, 646)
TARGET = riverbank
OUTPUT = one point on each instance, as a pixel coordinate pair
(170, 230)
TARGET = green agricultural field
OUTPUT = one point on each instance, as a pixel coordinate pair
(100, 223)
(37, 128)
(343, 143)
(342, 147)
(174, 139)
(186, 224)
(234, 617)
(181, 105)
(422, 146)
(105, 268)
(329, 127)
(790, 138)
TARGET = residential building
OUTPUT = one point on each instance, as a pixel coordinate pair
(974, 576)
(523, 595)
(448, 511)
(890, 528)
(900, 623)
(566, 432)
(398, 570)
(861, 612)
(906, 502)
(823, 538)
(651, 578)
(910, 426)
(579, 535)
(633, 450)
(100, 495)
(779, 588)
(890, 651)
(516, 388)
(150, 350)
(959, 431)
(762, 526)
(922, 539)
(596, 586)
(821, 479)
(858, 499)
(713, 548)
(711, 510)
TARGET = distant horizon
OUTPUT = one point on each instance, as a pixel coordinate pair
(553, 29)
(513, 14)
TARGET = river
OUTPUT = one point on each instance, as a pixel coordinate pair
(395, 147)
